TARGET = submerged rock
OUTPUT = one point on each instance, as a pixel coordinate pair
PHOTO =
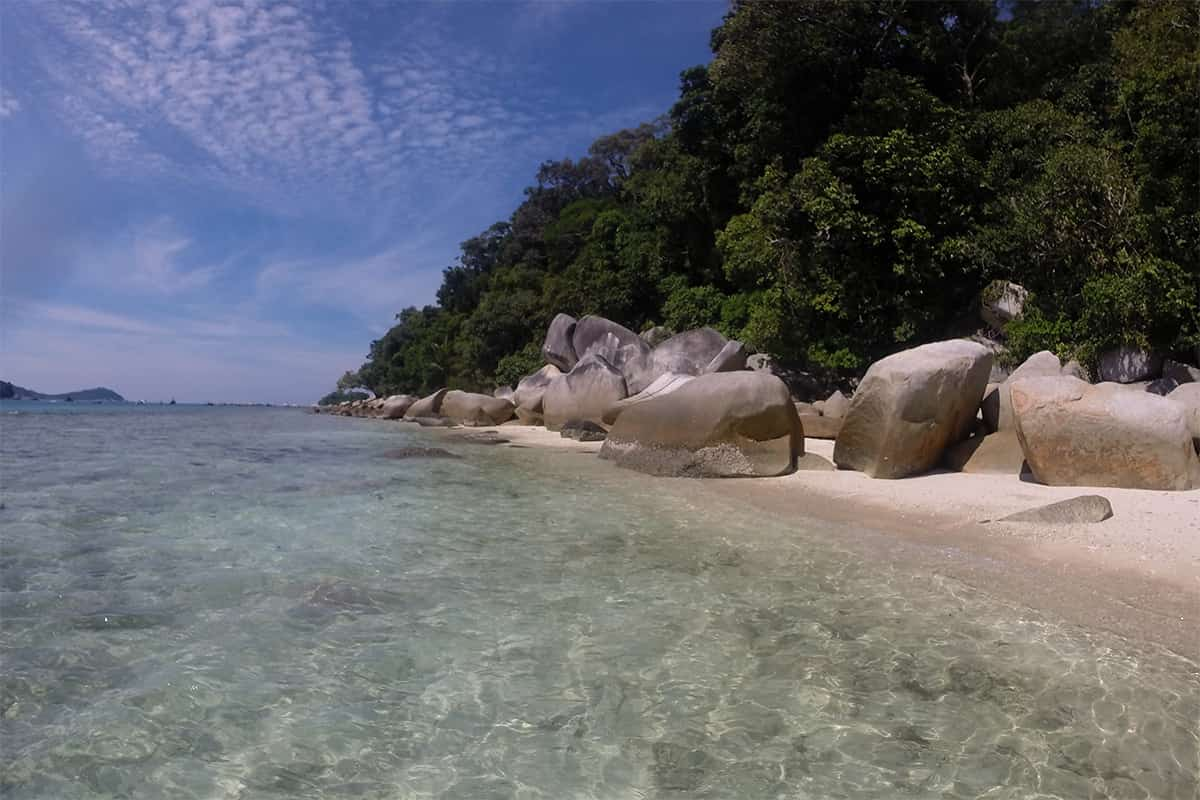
(720, 425)
(911, 406)
(1083, 509)
(418, 452)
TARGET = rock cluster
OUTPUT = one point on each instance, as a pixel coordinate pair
(696, 404)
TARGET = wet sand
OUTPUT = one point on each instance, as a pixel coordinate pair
(1136, 574)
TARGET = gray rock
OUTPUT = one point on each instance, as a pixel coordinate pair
(623, 349)
(806, 408)
(997, 406)
(1087, 508)
(395, 406)
(585, 392)
(818, 406)
(817, 426)
(664, 384)
(688, 353)
(760, 361)
(719, 425)
(558, 348)
(731, 358)
(468, 408)
(431, 422)
(583, 430)
(418, 452)
(531, 389)
(429, 406)
(504, 392)
(994, 454)
(1001, 302)
(1180, 372)
(911, 406)
(1076, 434)
(836, 406)
(657, 335)
(1162, 387)
(811, 462)
(1129, 364)
(1187, 397)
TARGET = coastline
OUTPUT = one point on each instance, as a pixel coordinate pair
(1136, 575)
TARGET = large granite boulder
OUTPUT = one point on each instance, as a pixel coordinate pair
(1076, 434)
(558, 348)
(584, 393)
(504, 392)
(664, 384)
(818, 426)
(1001, 302)
(836, 405)
(723, 424)
(911, 406)
(1129, 364)
(429, 406)
(731, 358)
(468, 408)
(1187, 397)
(527, 397)
(997, 403)
(395, 406)
(623, 349)
(688, 353)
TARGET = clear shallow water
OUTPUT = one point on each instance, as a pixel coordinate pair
(257, 603)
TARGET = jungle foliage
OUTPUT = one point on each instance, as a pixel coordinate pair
(843, 179)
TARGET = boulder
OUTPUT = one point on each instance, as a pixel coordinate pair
(468, 408)
(664, 384)
(911, 406)
(1187, 397)
(731, 358)
(529, 392)
(623, 349)
(997, 454)
(504, 392)
(1001, 302)
(1162, 386)
(585, 392)
(811, 462)
(1180, 372)
(395, 406)
(719, 425)
(817, 426)
(1129, 364)
(818, 406)
(558, 348)
(583, 430)
(836, 406)
(806, 408)
(1087, 508)
(688, 353)
(657, 335)
(997, 405)
(1076, 434)
(429, 406)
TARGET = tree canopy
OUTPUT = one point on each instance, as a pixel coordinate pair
(841, 182)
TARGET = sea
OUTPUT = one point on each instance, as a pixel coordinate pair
(222, 602)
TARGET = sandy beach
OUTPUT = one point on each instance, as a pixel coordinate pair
(1137, 574)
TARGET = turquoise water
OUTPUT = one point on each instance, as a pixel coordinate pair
(264, 603)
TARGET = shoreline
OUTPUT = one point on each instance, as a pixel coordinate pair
(1136, 574)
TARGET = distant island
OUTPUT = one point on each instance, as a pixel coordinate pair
(10, 391)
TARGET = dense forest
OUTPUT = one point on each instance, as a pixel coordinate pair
(844, 179)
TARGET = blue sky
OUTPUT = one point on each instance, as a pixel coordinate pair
(227, 200)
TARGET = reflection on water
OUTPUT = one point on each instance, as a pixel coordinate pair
(258, 604)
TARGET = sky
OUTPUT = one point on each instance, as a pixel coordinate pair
(227, 200)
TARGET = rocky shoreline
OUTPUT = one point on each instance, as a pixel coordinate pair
(1065, 475)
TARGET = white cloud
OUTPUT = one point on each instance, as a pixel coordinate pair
(9, 104)
(151, 258)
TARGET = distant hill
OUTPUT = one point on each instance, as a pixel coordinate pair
(10, 391)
